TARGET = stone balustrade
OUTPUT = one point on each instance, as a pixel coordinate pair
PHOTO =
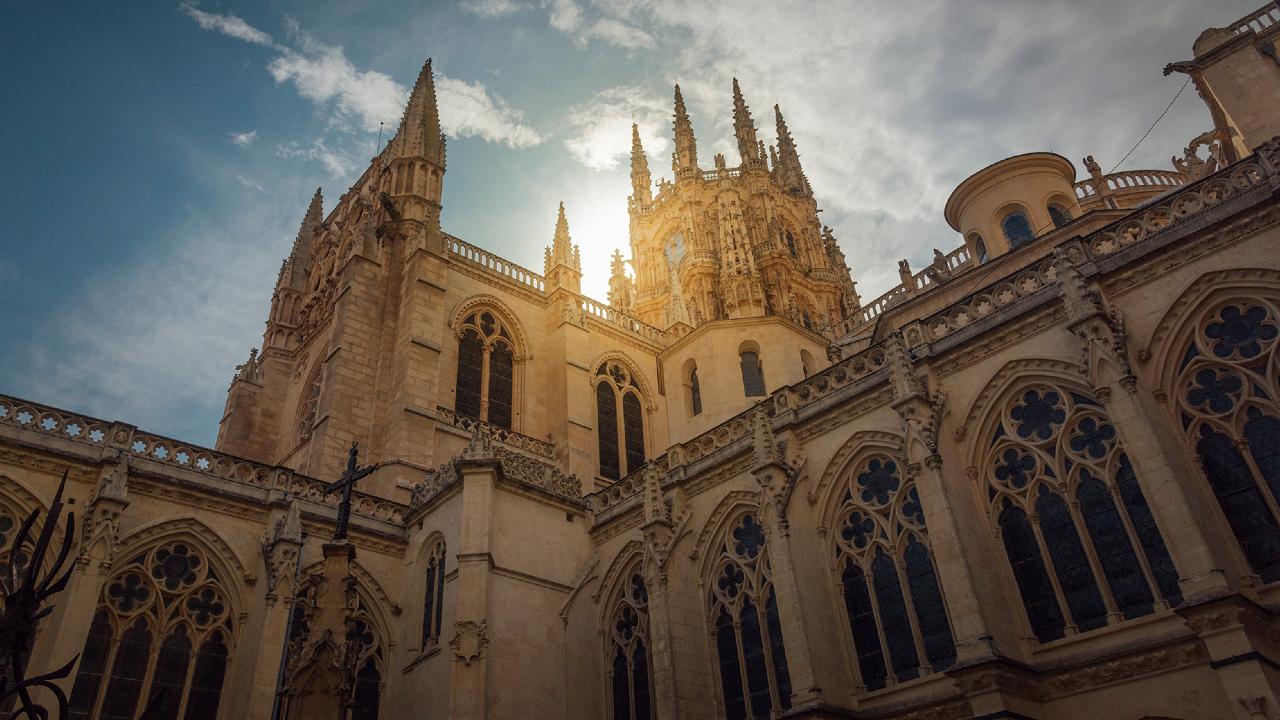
(495, 264)
(510, 438)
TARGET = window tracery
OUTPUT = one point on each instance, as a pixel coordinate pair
(362, 652)
(1079, 535)
(161, 639)
(1227, 402)
(751, 658)
(629, 677)
(309, 406)
(897, 616)
(486, 369)
(433, 596)
(619, 420)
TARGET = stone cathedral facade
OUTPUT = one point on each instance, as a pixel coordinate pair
(1038, 479)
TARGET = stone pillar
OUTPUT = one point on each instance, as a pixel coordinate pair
(661, 531)
(1197, 546)
(280, 550)
(67, 627)
(470, 681)
(1239, 639)
(777, 479)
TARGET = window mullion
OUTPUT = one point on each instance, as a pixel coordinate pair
(766, 644)
(891, 675)
(107, 669)
(144, 693)
(1095, 565)
(197, 642)
(1242, 447)
(1047, 559)
(484, 384)
(622, 434)
(913, 619)
(1138, 548)
(742, 662)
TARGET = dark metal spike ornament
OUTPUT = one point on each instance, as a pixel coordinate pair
(25, 604)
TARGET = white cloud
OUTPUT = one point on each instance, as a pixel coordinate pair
(337, 163)
(616, 32)
(601, 128)
(566, 15)
(230, 25)
(361, 100)
(493, 8)
(243, 139)
(251, 184)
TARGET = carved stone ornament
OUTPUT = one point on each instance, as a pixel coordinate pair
(469, 640)
(1105, 346)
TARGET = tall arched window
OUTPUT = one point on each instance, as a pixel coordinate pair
(1081, 541)
(1228, 402)
(486, 370)
(695, 392)
(619, 420)
(791, 243)
(161, 638)
(1017, 229)
(629, 679)
(896, 613)
(433, 596)
(309, 405)
(978, 248)
(752, 372)
(1059, 214)
(751, 658)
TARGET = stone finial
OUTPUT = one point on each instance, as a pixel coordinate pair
(562, 250)
(481, 445)
(641, 180)
(251, 370)
(1077, 299)
(902, 372)
(743, 127)
(655, 507)
(113, 480)
(685, 158)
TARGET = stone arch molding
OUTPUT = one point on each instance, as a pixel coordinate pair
(19, 496)
(1014, 373)
(380, 602)
(850, 453)
(1170, 337)
(726, 511)
(630, 553)
(197, 533)
(504, 313)
(622, 358)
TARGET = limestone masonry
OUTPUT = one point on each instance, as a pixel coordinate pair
(1038, 479)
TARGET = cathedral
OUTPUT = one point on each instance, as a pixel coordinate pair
(1038, 479)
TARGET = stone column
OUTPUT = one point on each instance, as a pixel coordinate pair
(661, 531)
(67, 627)
(1198, 548)
(470, 682)
(280, 548)
(1239, 639)
(777, 479)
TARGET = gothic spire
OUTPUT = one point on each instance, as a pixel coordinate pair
(790, 173)
(686, 156)
(743, 128)
(301, 251)
(562, 250)
(619, 283)
(641, 181)
(419, 134)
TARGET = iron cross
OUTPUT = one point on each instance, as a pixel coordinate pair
(345, 484)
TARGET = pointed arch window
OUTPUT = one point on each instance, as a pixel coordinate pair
(1059, 214)
(433, 596)
(1228, 403)
(309, 406)
(619, 421)
(486, 370)
(897, 617)
(751, 657)
(629, 679)
(160, 639)
(1078, 533)
(695, 392)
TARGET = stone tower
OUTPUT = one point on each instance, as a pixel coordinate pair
(732, 242)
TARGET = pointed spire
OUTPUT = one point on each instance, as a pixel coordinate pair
(641, 181)
(419, 134)
(301, 252)
(686, 155)
(562, 251)
(620, 293)
(743, 128)
(790, 174)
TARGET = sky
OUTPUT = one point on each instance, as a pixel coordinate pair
(158, 156)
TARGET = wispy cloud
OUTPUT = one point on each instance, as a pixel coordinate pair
(361, 100)
(493, 8)
(601, 128)
(336, 162)
(251, 184)
(230, 25)
(243, 139)
(570, 18)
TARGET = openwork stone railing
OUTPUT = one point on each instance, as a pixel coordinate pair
(1259, 21)
(510, 438)
(1145, 180)
(955, 261)
(498, 265)
(619, 319)
(100, 433)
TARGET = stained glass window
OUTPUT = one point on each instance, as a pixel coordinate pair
(607, 430)
(749, 642)
(892, 614)
(629, 636)
(1227, 401)
(486, 370)
(1017, 229)
(1082, 562)
(433, 595)
(695, 392)
(619, 407)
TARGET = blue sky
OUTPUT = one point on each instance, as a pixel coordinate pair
(158, 156)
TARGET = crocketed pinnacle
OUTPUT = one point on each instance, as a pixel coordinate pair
(419, 133)
(686, 144)
(743, 128)
(641, 180)
(562, 250)
(788, 162)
